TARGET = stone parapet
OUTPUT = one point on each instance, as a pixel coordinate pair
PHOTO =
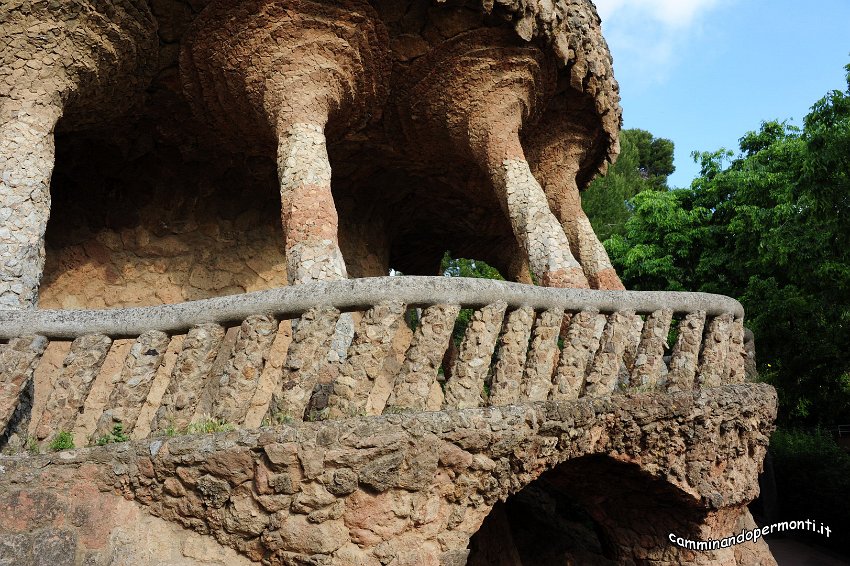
(531, 344)
(408, 488)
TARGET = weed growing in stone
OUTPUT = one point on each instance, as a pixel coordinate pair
(317, 415)
(207, 424)
(485, 392)
(63, 440)
(117, 435)
(278, 418)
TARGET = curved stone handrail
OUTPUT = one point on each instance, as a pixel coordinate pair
(352, 295)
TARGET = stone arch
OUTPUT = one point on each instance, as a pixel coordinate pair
(591, 510)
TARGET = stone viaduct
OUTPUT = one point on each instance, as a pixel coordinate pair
(234, 179)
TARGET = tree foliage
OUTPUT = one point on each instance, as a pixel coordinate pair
(645, 162)
(462, 267)
(769, 227)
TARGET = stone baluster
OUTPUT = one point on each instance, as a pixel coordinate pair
(241, 373)
(685, 356)
(416, 386)
(465, 389)
(191, 372)
(602, 379)
(130, 393)
(714, 361)
(159, 385)
(737, 353)
(71, 388)
(649, 368)
(513, 348)
(365, 359)
(580, 346)
(306, 363)
(632, 343)
(542, 356)
(18, 360)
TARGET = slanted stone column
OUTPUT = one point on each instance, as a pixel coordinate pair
(473, 94)
(535, 227)
(558, 151)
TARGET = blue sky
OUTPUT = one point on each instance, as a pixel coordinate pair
(704, 72)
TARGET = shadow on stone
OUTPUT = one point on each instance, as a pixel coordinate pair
(593, 510)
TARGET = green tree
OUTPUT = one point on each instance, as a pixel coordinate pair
(655, 157)
(645, 162)
(462, 267)
(770, 228)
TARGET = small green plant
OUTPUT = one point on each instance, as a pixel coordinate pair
(117, 435)
(64, 440)
(207, 424)
(317, 415)
(278, 418)
(170, 431)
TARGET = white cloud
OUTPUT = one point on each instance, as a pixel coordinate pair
(671, 13)
(647, 36)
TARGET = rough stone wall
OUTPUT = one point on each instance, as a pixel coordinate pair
(139, 267)
(403, 489)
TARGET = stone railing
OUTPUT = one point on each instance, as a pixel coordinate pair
(351, 348)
